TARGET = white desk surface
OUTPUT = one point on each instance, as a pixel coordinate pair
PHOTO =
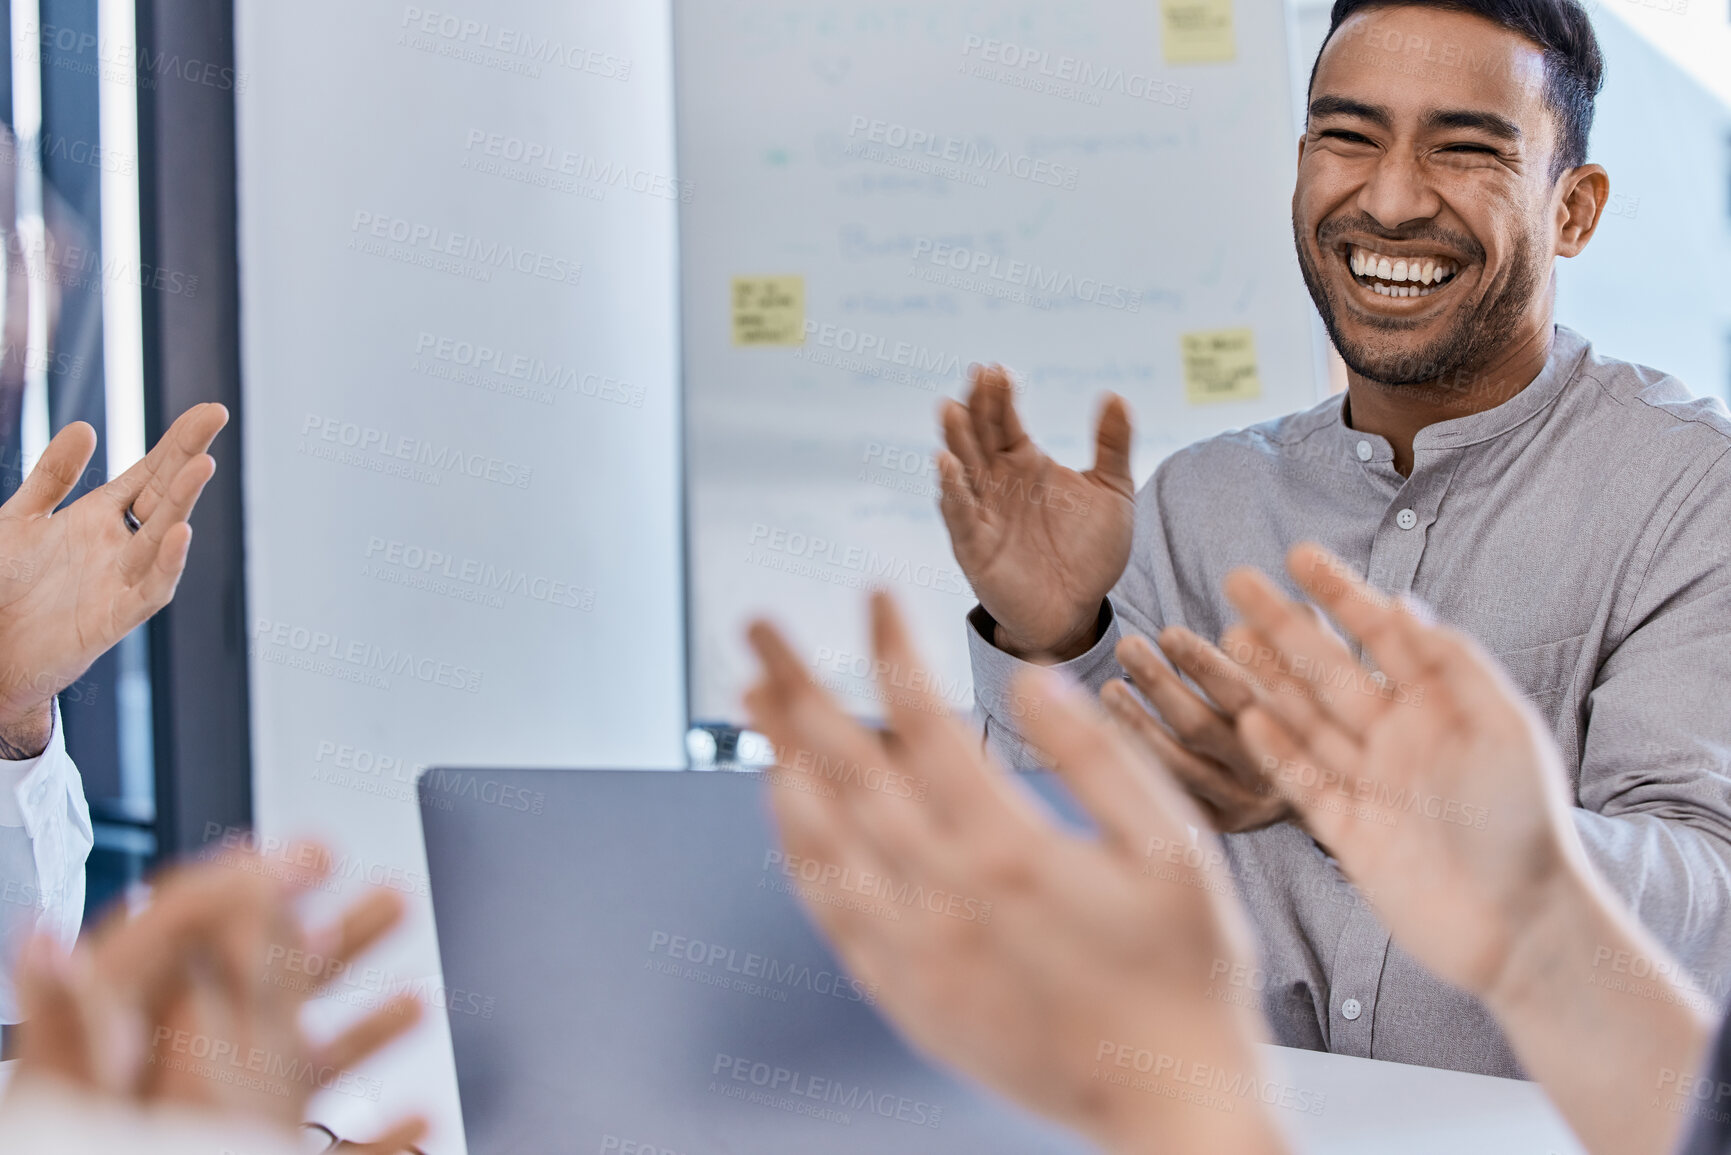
(1372, 1108)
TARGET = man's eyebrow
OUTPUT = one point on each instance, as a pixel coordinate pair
(1489, 123)
(1346, 106)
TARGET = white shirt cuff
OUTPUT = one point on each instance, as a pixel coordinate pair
(26, 783)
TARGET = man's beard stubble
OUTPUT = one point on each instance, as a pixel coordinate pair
(1478, 335)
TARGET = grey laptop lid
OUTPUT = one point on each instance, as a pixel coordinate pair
(627, 970)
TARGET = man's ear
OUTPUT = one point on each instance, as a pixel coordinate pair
(1583, 194)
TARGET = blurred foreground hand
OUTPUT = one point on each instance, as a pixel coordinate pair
(1059, 961)
(1439, 790)
(189, 1011)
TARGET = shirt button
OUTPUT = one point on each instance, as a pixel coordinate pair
(1350, 1009)
(1364, 451)
(1406, 519)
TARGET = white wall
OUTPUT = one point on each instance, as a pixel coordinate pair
(351, 114)
(1651, 287)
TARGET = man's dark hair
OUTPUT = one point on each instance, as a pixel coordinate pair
(1574, 68)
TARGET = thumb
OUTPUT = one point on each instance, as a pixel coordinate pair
(1112, 446)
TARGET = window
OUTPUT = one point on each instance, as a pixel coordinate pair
(72, 349)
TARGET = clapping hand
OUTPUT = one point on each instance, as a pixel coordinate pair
(74, 581)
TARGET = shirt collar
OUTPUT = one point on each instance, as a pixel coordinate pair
(1568, 349)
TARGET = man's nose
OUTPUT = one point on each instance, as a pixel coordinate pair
(1398, 191)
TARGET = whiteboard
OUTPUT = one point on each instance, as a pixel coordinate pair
(1035, 184)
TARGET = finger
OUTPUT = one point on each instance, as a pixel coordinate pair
(1210, 783)
(916, 800)
(1451, 665)
(1196, 723)
(812, 736)
(1112, 439)
(903, 677)
(239, 953)
(817, 829)
(142, 548)
(1287, 640)
(142, 600)
(1309, 710)
(57, 472)
(187, 912)
(962, 784)
(959, 504)
(1009, 421)
(982, 405)
(144, 485)
(188, 907)
(959, 435)
(783, 673)
(1298, 702)
(1365, 613)
(1290, 763)
(852, 769)
(814, 830)
(399, 1138)
(996, 426)
(371, 1035)
(362, 926)
(1121, 790)
(139, 969)
(1224, 681)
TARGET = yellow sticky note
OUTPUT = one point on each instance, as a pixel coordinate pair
(1220, 365)
(1197, 31)
(769, 310)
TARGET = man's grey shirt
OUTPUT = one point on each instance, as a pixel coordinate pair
(1582, 532)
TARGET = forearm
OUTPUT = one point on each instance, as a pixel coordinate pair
(1613, 1054)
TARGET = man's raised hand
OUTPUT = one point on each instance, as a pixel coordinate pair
(73, 582)
(1041, 544)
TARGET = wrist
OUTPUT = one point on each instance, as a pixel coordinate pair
(1074, 642)
(26, 730)
(1550, 943)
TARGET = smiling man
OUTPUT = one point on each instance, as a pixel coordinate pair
(1567, 509)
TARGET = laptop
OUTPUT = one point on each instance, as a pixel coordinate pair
(627, 969)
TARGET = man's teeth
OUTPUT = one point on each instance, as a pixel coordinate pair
(1416, 272)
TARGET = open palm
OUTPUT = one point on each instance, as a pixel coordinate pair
(1041, 544)
(74, 581)
(1055, 947)
(1430, 780)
